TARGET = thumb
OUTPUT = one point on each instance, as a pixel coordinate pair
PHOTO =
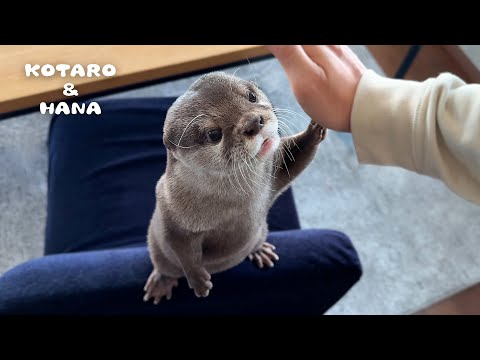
(292, 57)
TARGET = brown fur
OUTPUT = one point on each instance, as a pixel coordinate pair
(211, 206)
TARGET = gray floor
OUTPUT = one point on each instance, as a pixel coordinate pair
(418, 241)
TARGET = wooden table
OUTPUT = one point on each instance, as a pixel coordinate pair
(134, 63)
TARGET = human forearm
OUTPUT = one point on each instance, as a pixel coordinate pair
(431, 127)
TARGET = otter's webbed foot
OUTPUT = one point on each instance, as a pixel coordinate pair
(158, 286)
(264, 255)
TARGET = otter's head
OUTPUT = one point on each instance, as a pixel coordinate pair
(221, 121)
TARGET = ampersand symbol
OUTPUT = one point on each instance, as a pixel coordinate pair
(69, 90)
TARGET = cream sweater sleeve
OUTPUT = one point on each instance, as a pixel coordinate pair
(431, 127)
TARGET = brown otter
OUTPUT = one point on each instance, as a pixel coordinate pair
(226, 165)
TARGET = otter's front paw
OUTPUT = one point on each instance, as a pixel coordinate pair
(317, 132)
(264, 256)
(200, 282)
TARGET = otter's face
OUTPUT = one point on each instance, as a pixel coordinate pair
(222, 121)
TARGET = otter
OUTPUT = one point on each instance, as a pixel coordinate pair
(226, 165)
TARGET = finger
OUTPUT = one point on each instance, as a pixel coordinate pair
(293, 58)
(322, 55)
(350, 55)
(250, 256)
(337, 49)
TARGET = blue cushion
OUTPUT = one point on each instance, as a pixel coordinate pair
(101, 181)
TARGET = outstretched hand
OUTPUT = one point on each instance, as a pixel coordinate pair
(324, 79)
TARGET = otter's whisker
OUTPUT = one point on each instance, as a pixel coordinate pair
(253, 71)
(291, 138)
(285, 128)
(286, 152)
(286, 167)
(281, 120)
(286, 143)
(276, 160)
(222, 181)
(233, 186)
(251, 168)
(289, 152)
(236, 176)
(222, 177)
(256, 180)
(231, 81)
(181, 147)
(291, 112)
(258, 162)
(283, 110)
(229, 179)
(184, 130)
(246, 180)
(294, 143)
(284, 117)
(250, 173)
(282, 126)
(285, 133)
(262, 186)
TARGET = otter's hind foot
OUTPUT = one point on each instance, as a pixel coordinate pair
(264, 255)
(158, 286)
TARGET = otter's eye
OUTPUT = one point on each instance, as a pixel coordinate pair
(214, 135)
(252, 97)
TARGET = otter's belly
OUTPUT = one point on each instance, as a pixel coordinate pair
(227, 248)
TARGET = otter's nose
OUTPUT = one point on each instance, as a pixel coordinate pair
(254, 126)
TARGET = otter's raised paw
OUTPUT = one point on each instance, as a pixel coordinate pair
(317, 131)
(158, 286)
(200, 282)
(264, 256)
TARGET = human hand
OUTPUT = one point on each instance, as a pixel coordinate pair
(324, 79)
